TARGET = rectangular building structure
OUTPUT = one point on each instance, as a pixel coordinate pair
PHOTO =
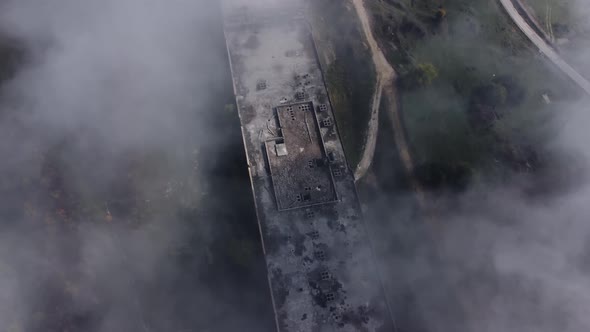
(320, 264)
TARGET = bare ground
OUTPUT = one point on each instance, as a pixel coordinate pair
(385, 87)
(385, 75)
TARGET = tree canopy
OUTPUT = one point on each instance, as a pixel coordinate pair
(421, 75)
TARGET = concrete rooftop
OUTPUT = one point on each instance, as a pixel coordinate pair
(320, 264)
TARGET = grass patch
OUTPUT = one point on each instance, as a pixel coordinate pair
(348, 68)
(473, 45)
(550, 12)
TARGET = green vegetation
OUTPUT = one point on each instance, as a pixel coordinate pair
(472, 86)
(351, 113)
(554, 16)
(348, 68)
(566, 24)
(421, 75)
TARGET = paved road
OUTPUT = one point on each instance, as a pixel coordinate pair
(545, 48)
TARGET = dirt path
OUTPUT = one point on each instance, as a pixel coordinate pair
(385, 87)
(385, 73)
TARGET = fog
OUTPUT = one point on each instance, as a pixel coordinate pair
(116, 177)
(112, 151)
(575, 39)
(507, 255)
(88, 57)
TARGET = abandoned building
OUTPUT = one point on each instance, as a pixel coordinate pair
(320, 264)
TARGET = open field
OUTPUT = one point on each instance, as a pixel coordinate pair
(348, 70)
(551, 12)
(486, 91)
(566, 22)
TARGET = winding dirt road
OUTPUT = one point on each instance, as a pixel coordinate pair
(385, 75)
(385, 87)
(544, 47)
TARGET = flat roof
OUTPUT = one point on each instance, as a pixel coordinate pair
(300, 169)
(320, 265)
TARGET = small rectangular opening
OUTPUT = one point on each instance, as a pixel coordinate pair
(261, 85)
(320, 254)
(304, 107)
(330, 297)
(336, 316)
(300, 95)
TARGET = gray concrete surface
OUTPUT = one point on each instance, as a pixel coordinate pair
(320, 262)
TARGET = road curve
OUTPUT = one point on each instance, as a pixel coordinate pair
(385, 88)
(544, 47)
(385, 75)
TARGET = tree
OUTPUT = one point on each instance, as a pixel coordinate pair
(437, 175)
(515, 92)
(492, 94)
(421, 75)
(484, 104)
(441, 13)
